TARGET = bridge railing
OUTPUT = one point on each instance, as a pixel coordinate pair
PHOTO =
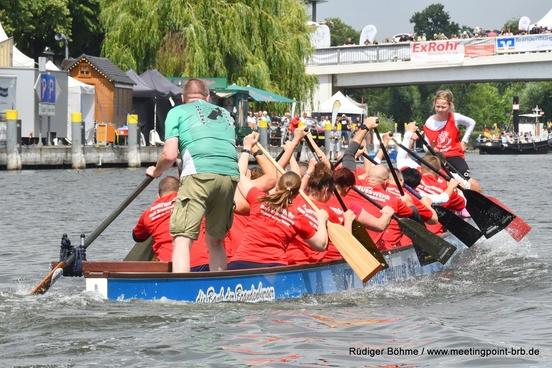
(473, 47)
(360, 54)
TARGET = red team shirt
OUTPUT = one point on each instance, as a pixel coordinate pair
(431, 184)
(269, 232)
(154, 222)
(235, 234)
(391, 236)
(298, 251)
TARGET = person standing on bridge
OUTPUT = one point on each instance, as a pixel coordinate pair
(443, 134)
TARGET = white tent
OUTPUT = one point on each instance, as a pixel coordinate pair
(20, 60)
(348, 105)
(545, 21)
(81, 98)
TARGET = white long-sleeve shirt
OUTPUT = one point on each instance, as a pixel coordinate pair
(403, 159)
(460, 120)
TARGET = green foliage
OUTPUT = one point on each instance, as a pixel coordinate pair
(397, 104)
(86, 32)
(537, 93)
(432, 21)
(511, 25)
(256, 42)
(386, 124)
(33, 23)
(341, 32)
(486, 103)
(486, 106)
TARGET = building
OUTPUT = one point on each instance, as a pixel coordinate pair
(113, 87)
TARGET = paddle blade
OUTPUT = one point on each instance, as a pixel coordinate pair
(49, 279)
(142, 251)
(517, 228)
(489, 217)
(360, 233)
(465, 232)
(436, 247)
(361, 261)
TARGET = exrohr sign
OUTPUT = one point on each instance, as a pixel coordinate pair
(432, 52)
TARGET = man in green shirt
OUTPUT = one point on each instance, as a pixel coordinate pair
(204, 135)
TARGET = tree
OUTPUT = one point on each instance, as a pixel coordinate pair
(340, 32)
(487, 106)
(86, 32)
(34, 23)
(511, 25)
(256, 42)
(432, 21)
(537, 93)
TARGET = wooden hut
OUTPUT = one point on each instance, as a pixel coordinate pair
(113, 87)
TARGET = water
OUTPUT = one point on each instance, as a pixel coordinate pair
(497, 295)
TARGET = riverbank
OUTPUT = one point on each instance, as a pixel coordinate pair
(59, 157)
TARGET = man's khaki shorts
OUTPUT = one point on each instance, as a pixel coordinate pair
(209, 195)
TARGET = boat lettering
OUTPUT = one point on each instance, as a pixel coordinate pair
(349, 280)
(394, 273)
(239, 294)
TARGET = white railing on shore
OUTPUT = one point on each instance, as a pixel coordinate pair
(391, 52)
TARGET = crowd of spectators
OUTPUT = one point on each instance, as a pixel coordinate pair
(281, 127)
(477, 32)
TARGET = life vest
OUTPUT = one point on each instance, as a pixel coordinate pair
(446, 139)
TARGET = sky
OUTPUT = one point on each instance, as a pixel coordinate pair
(393, 16)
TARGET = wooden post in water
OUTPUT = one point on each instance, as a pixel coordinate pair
(12, 147)
(78, 161)
(133, 154)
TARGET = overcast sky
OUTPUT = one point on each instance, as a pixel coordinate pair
(393, 16)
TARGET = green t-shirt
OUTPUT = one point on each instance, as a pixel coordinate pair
(206, 137)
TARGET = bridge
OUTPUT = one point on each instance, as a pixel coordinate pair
(521, 58)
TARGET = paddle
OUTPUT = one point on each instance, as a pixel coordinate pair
(455, 224)
(517, 229)
(421, 253)
(141, 251)
(56, 272)
(358, 230)
(361, 261)
(489, 217)
(436, 247)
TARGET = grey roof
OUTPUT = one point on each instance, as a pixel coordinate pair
(140, 88)
(158, 82)
(105, 67)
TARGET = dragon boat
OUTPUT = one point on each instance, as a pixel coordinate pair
(122, 280)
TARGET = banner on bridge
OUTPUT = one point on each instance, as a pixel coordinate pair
(528, 43)
(437, 52)
(479, 47)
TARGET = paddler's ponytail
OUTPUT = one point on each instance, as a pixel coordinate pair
(286, 189)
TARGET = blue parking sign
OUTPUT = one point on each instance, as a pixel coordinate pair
(47, 88)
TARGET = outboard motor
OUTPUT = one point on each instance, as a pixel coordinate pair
(73, 267)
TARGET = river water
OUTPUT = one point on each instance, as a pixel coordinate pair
(497, 296)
